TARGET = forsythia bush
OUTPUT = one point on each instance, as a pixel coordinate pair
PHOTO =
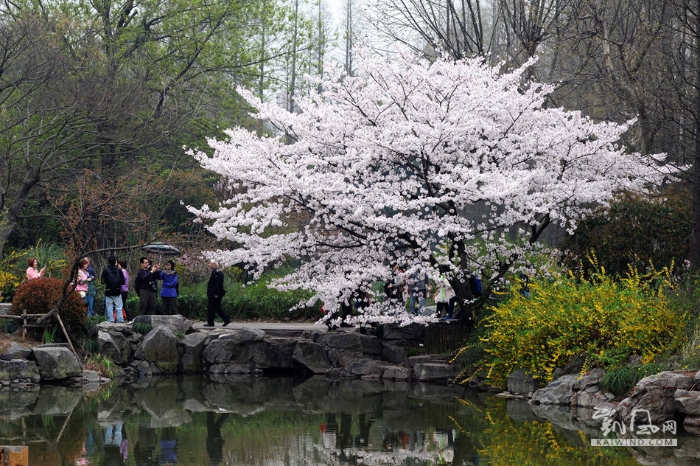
(600, 318)
(10, 276)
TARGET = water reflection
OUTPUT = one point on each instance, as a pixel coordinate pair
(284, 421)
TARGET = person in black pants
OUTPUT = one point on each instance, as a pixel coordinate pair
(215, 293)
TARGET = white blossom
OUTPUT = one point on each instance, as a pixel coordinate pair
(408, 161)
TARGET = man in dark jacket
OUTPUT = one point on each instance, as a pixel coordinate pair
(113, 279)
(215, 293)
(147, 287)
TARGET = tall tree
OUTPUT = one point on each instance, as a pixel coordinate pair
(394, 165)
(110, 84)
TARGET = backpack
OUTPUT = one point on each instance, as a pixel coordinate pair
(114, 278)
(476, 287)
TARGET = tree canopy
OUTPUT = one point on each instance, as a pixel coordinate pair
(446, 166)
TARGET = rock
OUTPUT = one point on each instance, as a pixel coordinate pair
(687, 402)
(394, 354)
(590, 398)
(159, 347)
(591, 378)
(190, 351)
(312, 357)
(691, 424)
(521, 382)
(398, 373)
(428, 358)
(655, 394)
(433, 372)
(19, 370)
(177, 323)
(114, 345)
(364, 368)
(557, 392)
(232, 346)
(17, 351)
(56, 362)
(407, 332)
(276, 353)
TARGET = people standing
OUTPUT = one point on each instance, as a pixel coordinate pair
(91, 292)
(81, 284)
(169, 290)
(146, 286)
(113, 279)
(418, 290)
(215, 293)
(125, 287)
(444, 298)
(394, 287)
(32, 270)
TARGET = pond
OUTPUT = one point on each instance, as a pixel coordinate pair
(287, 421)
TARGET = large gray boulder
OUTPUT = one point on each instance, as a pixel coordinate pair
(190, 350)
(56, 362)
(16, 351)
(355, 342)
(557, 392)
(19, 371)
(115, 346)
(311, 356)
(234, 346)
(159, 348)
(656, 395)
(687, 402)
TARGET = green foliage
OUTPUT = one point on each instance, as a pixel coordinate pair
(49, 334)
(637, 231)
(192, 306)
(40, 295)
(246, 301)
(603, 319)
(9, 325)
(142, 327)
(100, 364)
(90, 345)
(619, 381)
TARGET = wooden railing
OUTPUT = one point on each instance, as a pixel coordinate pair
(445, 337)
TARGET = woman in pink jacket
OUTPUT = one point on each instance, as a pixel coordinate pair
(32, 271)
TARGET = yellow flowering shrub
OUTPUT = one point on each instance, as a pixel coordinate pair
(605, 320)
(10, 275)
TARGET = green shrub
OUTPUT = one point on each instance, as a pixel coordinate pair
(621, 380)
(604, 319)
(192, 306)
(9, 325)
(142, 327)
(623, 233)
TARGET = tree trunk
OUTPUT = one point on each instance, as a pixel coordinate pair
(695, 236)
(8, 219)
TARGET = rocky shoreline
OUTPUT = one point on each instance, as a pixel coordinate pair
(174, 346)
(657, 403)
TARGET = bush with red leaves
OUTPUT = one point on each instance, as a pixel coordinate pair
(40, 295)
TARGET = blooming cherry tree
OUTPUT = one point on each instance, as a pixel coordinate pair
(446, 166)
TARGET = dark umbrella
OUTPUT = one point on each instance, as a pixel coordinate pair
(162, 249)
